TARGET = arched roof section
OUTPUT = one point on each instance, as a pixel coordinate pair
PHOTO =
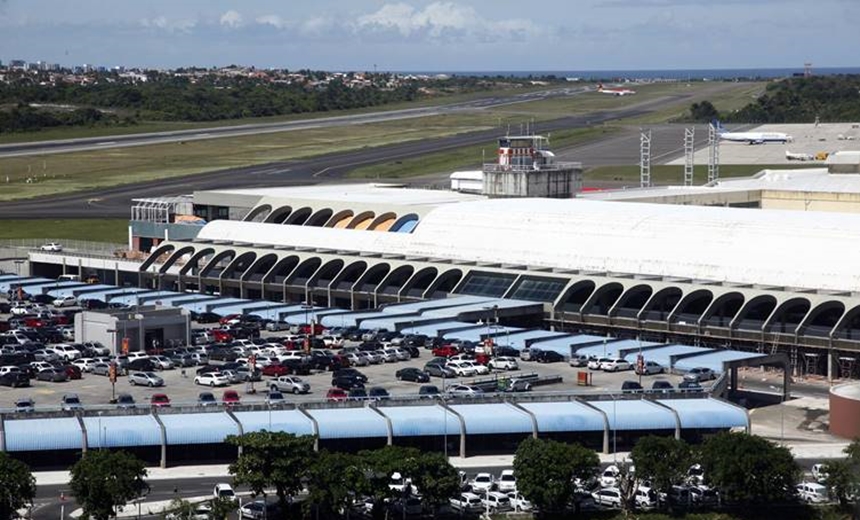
(218, 263)
(822, 318)
(260, 267)
(396, 279)
(192, 264)
(156, 255)
(319, 218)
(361, 221)
(299, 216)
(754, 313)
(692, 306)
(849, 325)
(603, 299)
(723, 309)
(349, 275)
(282, 269)
(405, 224)
(304, 271)
(326, 273)
(576, 295)
(340, 219)
(661, 304)
(444, 283)
(372, 277)
(788, 315)
(419, 282)
(239, 265)
(632, 301)
(259, 213)
(279, 215)
(383, 222)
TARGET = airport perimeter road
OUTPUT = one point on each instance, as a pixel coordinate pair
(122, 141)
(116, 201)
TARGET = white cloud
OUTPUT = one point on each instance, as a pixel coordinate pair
(231, 19)
(317, 25)
(273, 20)
(165, 24)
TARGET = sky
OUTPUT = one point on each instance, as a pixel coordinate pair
(434, 35)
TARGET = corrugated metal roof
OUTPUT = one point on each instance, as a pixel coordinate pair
(122, 431)
(156, 296)
(714, 360)
(518, 339)
(198, 428)
(6, 285)
(612, 348)
(567, 416)
(485, 307)
(71, 289)
(129, 297)
(224, 302)
(290, 421)
(433, 329)
(355, 319)
(426, 305)
(493, 418)
(298, 318)
(663, 355)
(59, 433)
(638, 414)
(276, 311)
(411, 421)
(349, 423)
(476, 333)
(707, 413)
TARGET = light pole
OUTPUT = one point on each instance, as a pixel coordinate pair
(781, 416)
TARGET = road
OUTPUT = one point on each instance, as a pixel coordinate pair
(122, 141)
(115, 202)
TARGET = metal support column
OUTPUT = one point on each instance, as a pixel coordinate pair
(689, 152)
(645, 159)
(713, 154)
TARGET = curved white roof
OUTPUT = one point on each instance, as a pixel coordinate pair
(781, 248)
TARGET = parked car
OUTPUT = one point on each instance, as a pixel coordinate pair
(15, 379)
(507, 482)
(53, 375)
(663, 386)
(518, 385)
(101, 369)
(615, 365)
(224, 491)
(504, 363)
(413, 374)
(25, 405)
(699, 374)
(206, 399)
(378, 393)
(213, 378)
(162, 362)
(54, 247)
(690, 386)
(547, 356)
(275, 398)
(579, 360)
(650, 368)
(594, 363)
(467, 503)
(429, 391)
(125, 402)
(65, 301)
(608, 497)
(439, 370)
(149, 379)
(462, 368)
(289, 384)
(159, 401)
(85, 364)
(230, 398)
(67, 352)
(336, 394)
(464, 391)
(70, 402)
(631, 387)
(258, 510)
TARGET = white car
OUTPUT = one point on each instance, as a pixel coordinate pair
(482, 483)
(607, 497)
(85, 364)
(137, 355)
(224, 491)
(65, 301)
(496, 502)
(812, 492)
(519, 502)
(504, 363)
(67, 352)
(615, 365)
(819, 473)
(609, 477)
(462, 368)
(52, 246)
(507, 481)
(595, 363)
(467, 502)
(212, 379)
(480, 369)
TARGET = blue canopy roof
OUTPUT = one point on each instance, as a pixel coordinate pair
(198, 428)
(219, 304)
(713, 360)
(59, 433)
(475, 333)
(493, 418)
(290, 421)
(8, 283)
(411, 421)
(316, 314)
(637, 414)
(518, 338)
(569, 416)
(663, 354)
(441, 303)
(129, 297)
(708, 414)
(73, 289)
(481, 307)
(122, 431)
(611, 348)
(434, 329)
(357, 319)
(349, 423)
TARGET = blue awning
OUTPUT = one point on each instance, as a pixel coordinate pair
(59, 433)
(300, 317)
(122, 431)
(477, 333)
(713, 360)
(7, 284)
(611, 348)
(707, 414)
(130, 297)
(567, 416)
(493, 418)
(663, 355)
(411, 421)
(198, 428)
(358, 319)
(219, 304)
(434, 329)
(517, 339)
(155, 297)
(636, 414)
(441, 303)
(68, 289)
(290, 421)
(349, 423)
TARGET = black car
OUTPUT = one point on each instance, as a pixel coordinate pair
(15, 379)
(350, 372)
(416, 375)
(206, 317)
(125, 402)
(346, 382)
(548, 356)
(690, 386)
(141, 365)
(208, 368)
(631, 387)
(297, 366)
(357, 394)
(505, 351)
(429, 391)
(412, 349)
(378, 393)
(662, 386)
(93, 304)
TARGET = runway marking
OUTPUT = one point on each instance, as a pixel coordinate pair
(105, 143)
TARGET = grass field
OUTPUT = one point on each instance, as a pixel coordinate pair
(727, 100)
(96, 230)
(666, 174)
(465, 157)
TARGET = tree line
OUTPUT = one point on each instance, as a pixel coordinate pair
(794, 100)
(751, 474)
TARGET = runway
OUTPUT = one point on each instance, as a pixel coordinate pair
(115, 202)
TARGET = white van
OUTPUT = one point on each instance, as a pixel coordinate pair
(813, 492)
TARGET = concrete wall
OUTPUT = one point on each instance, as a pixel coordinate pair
(845, 411)
(96, 326)
(811, 201)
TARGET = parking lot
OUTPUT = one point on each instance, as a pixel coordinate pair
(96, 390)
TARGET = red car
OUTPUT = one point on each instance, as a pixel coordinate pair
(275, 370)
(72, 371)
(159, 401)
(221, 336)
(228, 318)
(230, 398)
(336, 394)
(446, 351)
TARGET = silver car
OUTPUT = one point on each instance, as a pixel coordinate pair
(149, 379)
(162, 362)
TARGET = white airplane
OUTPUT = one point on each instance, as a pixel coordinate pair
(799, 156)
(752, 137)
(615, 91)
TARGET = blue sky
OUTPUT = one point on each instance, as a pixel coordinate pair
(445, 35)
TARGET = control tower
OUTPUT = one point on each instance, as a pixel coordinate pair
(527, 168)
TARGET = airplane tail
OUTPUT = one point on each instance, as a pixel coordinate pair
(719, 126)
(600, 87)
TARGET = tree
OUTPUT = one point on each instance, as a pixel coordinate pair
(436, 479)
(103, 480)
(749, 469)
(843, 476)
(332, 481)
(662, 460)
(545, 470)
(379, 465)
(272, 459)
(704, 112)
(17, 486)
